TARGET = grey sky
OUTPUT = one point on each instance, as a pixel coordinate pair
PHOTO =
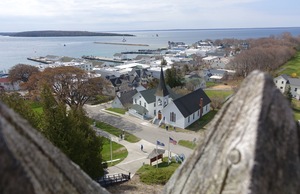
(112, 15)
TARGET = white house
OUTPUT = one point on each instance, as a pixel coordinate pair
(295, 87)
(7, 85)
(187, 109)
(165, 106)
(283, 82)
(123, 100)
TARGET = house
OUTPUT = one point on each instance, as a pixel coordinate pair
(167, 107)
(187, 109)
(294, 83)
(7, 85)
(123, 100)
(214, 75)
(283, 82)
(193, 81)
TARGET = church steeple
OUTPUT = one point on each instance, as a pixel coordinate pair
(162, 88)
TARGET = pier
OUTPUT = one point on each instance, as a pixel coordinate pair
(40, 60)
(145, 51)
(101, 59)
(121, 43)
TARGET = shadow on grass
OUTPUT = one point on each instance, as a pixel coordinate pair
(203, 121)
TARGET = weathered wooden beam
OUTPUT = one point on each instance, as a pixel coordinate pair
(252, 147)
(30, 164)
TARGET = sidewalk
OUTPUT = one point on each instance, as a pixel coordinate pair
(135, 159)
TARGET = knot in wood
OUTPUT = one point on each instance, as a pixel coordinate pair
(234, 156)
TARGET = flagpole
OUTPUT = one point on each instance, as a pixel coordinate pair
(169, 150)
(156, 156)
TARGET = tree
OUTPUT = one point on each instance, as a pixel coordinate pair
(288, 94)
(153, 83)
(163, 62)
(16, 102)
(22, 72)
(71, 132)
(216, 102)
(71, 85)
(173, 77)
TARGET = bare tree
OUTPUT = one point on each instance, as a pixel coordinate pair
(216, 102)
(22, 72)
(71, 85)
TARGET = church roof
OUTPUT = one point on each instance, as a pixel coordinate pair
(149, 95)
(189, 103)
(162, 89)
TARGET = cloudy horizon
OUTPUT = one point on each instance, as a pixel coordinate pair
(119, 15)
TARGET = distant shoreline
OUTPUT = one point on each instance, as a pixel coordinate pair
(53, 33)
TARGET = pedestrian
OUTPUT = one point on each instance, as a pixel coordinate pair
(167, 127)
(142, 147)
(175, 129)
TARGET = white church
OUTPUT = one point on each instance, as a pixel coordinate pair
(167, 107)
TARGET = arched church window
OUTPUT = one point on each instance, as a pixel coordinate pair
(159, 102)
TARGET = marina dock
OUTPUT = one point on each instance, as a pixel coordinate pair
(40, 60)
(101, 59)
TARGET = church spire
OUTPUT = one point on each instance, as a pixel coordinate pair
(162, 88)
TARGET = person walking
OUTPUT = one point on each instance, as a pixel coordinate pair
(142, 147)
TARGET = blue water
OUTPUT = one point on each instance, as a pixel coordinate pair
(14, 50)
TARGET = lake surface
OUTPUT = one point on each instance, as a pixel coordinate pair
(14, 50)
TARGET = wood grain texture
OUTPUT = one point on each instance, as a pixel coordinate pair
(252, 147)
(30, 164)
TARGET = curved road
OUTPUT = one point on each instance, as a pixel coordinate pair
(145, 130)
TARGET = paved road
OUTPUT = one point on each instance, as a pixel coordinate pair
(145, 130)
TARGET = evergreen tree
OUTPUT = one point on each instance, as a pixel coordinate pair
(70, 131)
(16, 102)
(288, 94)
(85, 146)
(173, 77)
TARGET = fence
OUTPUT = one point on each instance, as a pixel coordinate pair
(252, 146)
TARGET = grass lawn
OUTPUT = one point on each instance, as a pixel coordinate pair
(153, 175)
(186, 143)
(200, 124)
(218, 93)
(292, 66)
(117, 110)
(211, 84)
(118, 152)
(36, 107)
(117, 132)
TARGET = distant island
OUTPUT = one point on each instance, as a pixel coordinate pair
(54, 33)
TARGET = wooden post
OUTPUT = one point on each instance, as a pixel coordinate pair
(252, 146)
(30, 164)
